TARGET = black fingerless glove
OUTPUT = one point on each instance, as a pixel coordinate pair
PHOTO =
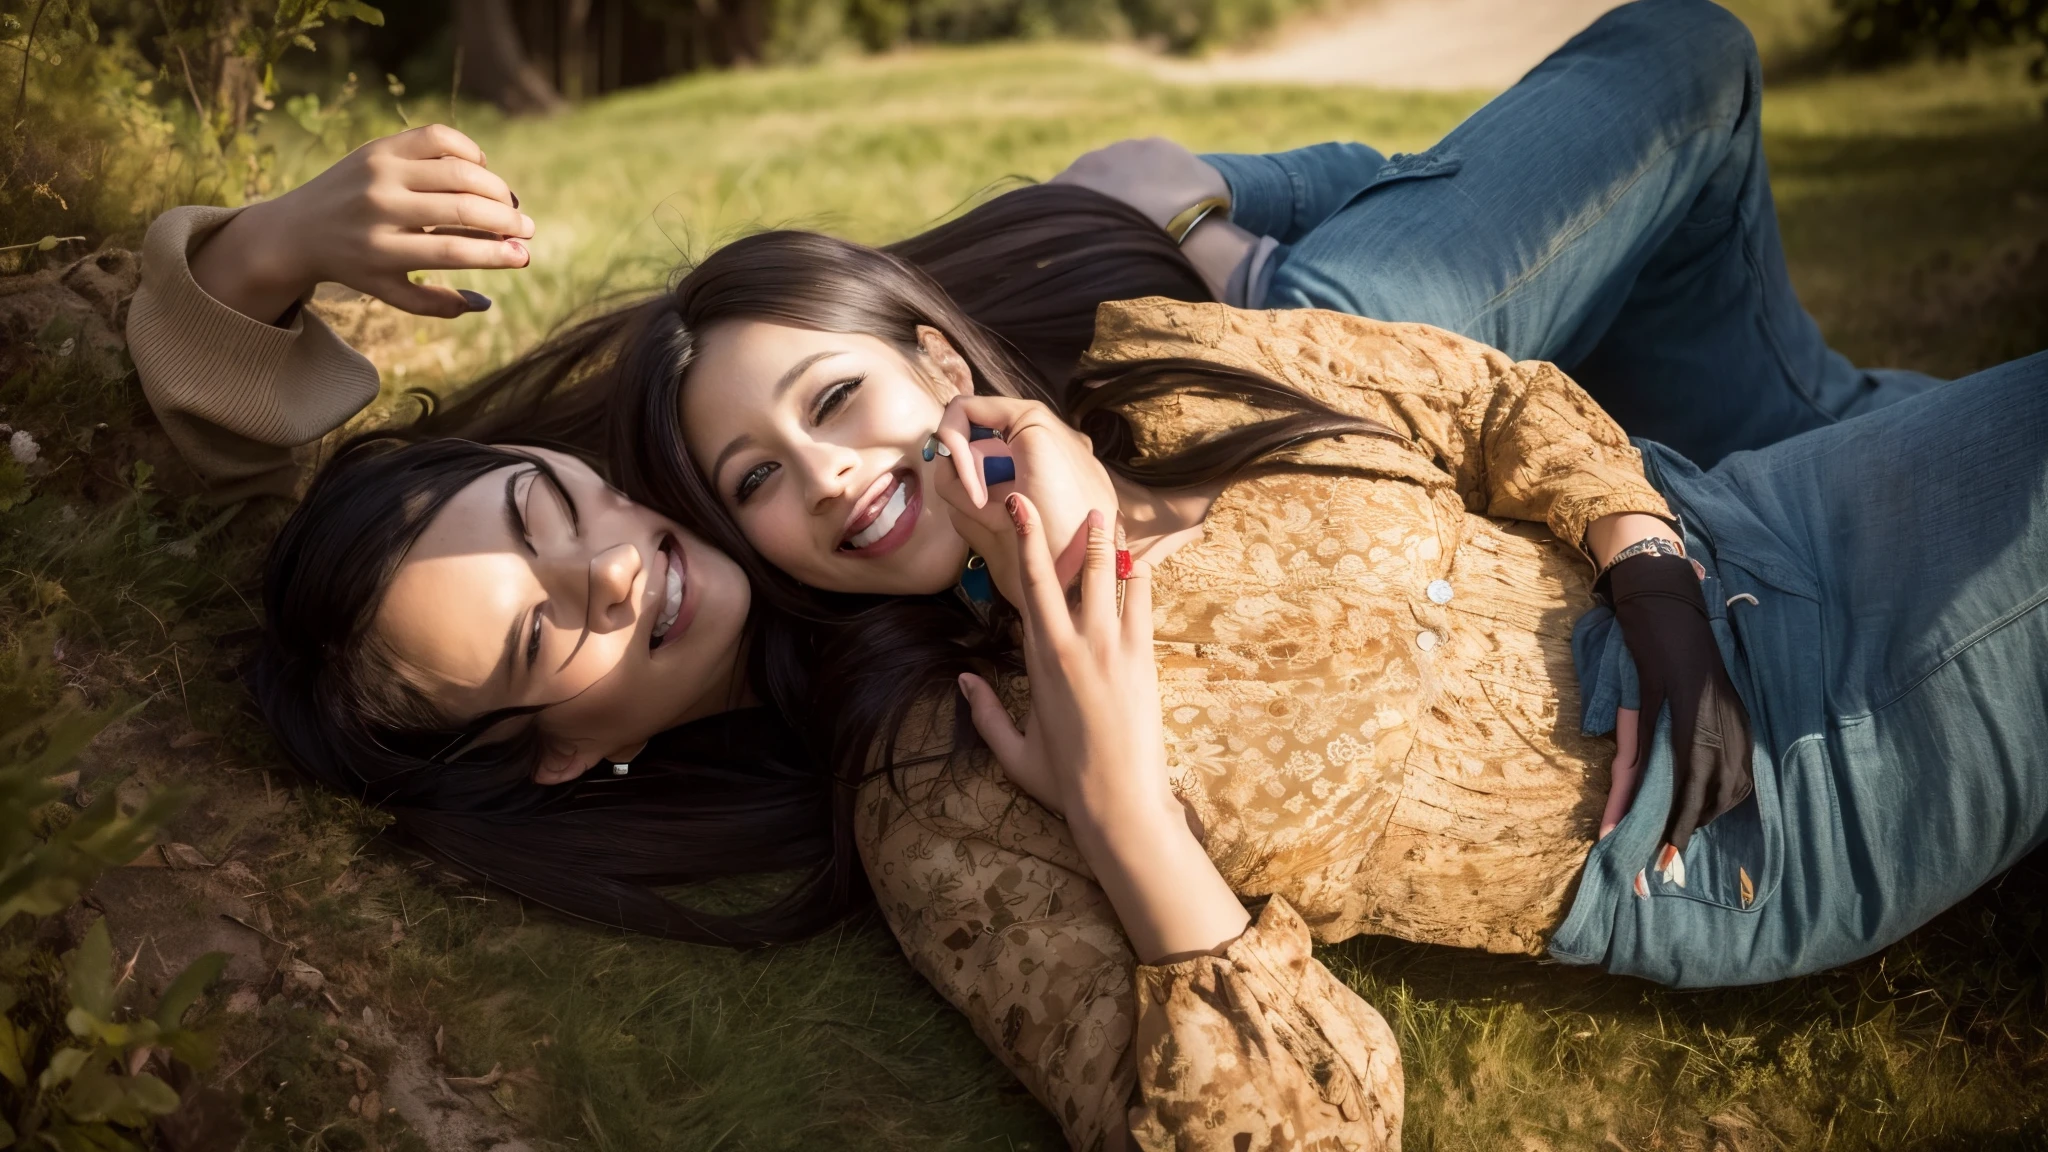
(1663, 618)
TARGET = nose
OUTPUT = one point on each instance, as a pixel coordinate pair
(827, 472)
(613, 573)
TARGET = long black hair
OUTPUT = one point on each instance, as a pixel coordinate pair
(1014, 283)
(877, 658)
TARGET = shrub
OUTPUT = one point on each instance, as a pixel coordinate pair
(118, 110)
(1879, 31)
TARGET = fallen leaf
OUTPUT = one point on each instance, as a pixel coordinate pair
(183, 856)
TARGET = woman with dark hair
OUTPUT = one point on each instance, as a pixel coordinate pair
(1373, 548)
(399, 706)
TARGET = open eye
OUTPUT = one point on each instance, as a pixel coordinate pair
(752, 479)
(835, 396)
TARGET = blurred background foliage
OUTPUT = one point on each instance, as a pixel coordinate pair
(119, 108)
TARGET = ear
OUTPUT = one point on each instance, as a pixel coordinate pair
(945, 359)
(559, 764)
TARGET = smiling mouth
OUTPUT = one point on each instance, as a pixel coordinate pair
(885, 518)
(675, 580)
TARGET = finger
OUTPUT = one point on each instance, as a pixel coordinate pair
(430, 141)
(1693, 762)
(993, 721)
(1098, 578)
(461, 210)
(953, 433)
(1045, 601)
(454, 174)
(420, 299)
(1627, 773)
(1137, 610)
(417, 251)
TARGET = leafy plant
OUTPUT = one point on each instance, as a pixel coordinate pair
(118, 109)
(71, 1059)
(1877, 31)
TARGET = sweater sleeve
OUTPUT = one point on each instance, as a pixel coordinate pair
(1259, 1048)
(235, 394)
(1519, 441)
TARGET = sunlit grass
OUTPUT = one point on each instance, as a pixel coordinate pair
(1915, 210)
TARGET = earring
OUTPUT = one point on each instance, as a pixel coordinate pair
(933, 446)
(621, 767)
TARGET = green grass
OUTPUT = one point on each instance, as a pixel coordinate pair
(1915, 211)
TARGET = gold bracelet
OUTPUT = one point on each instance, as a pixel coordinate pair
(1184, 222)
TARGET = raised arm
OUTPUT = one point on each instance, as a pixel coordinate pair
(237, 371)
(1103, 956)
(1517, 440)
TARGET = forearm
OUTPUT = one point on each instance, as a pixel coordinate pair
(1610, 534)
(1166, 891)
(248, 266)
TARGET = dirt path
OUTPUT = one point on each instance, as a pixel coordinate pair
(1429, 44)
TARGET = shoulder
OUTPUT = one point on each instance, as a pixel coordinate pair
(1282, 341)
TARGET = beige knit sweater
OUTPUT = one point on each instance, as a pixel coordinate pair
(236, 395)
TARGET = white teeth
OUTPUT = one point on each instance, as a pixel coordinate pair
(898, 501)
(672, 598)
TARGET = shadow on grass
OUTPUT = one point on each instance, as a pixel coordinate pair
(1925, 251)
(1938, 1042)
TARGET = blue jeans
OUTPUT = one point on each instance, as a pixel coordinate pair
(1610, 213)
(1880, 590)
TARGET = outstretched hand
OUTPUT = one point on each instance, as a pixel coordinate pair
(422, 199)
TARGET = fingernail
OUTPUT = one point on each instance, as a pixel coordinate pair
(515, 198)
(1123, 563)
(929, 444)
(962, 681)
(977, 432)
(1015, 504)
(477, 301)
(998, 470)
(1095, 520)
(521, 249)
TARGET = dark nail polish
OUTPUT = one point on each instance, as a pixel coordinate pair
(477, 301)
(515, 198)
(998, 470)
(977, 432)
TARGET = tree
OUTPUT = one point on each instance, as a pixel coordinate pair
(492, 62)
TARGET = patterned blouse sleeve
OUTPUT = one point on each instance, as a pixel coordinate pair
(1260, 1048)
(1520, 441)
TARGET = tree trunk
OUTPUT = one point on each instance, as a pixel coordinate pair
(494, 63)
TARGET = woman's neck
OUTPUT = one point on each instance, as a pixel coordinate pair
(1158, 523)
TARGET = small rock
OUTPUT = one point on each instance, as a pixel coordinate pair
(244, 1002)
(24, 448)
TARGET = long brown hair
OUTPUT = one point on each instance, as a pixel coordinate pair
(877, 657)
(740, 792)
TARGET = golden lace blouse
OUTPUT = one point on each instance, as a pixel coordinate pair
(1367, 690)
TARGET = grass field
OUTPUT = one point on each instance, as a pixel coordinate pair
(1915, 211)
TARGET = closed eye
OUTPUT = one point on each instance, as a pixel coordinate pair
(533, 639)
(835, 396)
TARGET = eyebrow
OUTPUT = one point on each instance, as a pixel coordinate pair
(788, 380)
